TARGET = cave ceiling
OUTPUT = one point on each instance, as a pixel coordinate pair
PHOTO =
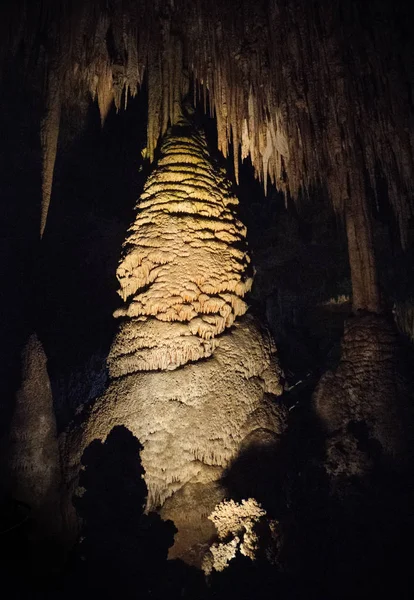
(315, 93)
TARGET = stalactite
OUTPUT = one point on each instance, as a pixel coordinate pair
(104, 92)
(365, 292)
(299, 87)
(49, 134)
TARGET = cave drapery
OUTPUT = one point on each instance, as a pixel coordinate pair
(312, 92)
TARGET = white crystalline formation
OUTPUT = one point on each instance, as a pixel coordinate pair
(235, 523)
(184, 262)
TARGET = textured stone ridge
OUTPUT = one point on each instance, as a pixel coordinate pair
(193, 420)
(281, 82)
(184, 262)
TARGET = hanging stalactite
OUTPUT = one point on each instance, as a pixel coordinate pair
(298, 86)
(49, 135)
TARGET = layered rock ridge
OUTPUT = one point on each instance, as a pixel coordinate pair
(184, 262)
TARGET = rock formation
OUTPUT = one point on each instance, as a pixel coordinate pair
(185, 263)
(30, 464)
(366, 405)
(192, 376)
(235, 524)
(303, 89)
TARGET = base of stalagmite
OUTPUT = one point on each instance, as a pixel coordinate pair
(366, 405)
(192, 422)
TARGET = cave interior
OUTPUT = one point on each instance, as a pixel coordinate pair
(329, 217)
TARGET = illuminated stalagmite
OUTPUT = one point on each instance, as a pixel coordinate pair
(192, 376)
(317, 94)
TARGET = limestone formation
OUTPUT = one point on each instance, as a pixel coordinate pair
(235, 524)
(365, 406)
(31, 465)
(311, 92)
(191, 421)
(185, 262)
(301, 88)
(49, 134)
(191, 377)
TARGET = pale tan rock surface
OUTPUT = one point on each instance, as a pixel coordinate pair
(191, 377)
(192, 421)
(184, 262)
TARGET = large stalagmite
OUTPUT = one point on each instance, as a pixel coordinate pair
(185, 263)
(192, 376)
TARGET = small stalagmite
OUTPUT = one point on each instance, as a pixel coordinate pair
(192, 376)
(30, 464)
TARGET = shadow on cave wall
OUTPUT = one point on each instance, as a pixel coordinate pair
(122, 551)
(331, 547)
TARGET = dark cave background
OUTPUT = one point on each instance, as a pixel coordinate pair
(65, 289)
